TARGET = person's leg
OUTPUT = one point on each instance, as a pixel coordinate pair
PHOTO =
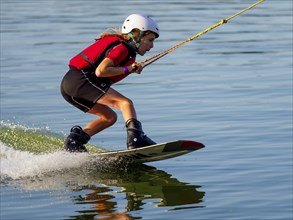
(135, 135)
(78, 136)
(107, 117)
(116, 100)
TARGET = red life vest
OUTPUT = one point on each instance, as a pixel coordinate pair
(112, 47)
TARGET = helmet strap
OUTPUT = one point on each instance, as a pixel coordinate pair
(137, 43)
(139, 38)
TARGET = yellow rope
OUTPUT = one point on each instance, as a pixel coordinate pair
(165, 52)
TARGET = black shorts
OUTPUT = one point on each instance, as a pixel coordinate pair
(83, 89)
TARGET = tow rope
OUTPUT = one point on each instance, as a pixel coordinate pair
(165, 52)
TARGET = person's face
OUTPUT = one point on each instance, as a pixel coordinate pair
(146, 43)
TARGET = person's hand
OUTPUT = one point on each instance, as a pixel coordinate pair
(136, 68)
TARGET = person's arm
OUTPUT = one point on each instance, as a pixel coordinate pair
(107, 69)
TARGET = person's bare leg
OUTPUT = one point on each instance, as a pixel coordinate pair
(107, 117)
(135, 135)
(115, 99)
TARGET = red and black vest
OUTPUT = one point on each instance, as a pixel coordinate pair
(90, 58)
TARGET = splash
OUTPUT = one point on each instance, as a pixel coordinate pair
(30, 152)
(34, 139)
(16, 164)
(27, 152)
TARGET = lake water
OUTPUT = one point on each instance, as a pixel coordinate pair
(230, 89)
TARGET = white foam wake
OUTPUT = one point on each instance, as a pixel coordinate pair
(17, 164)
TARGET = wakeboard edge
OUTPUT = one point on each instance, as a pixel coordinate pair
(155, 152)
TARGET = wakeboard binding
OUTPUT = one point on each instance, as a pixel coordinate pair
(76, 140)
(135, 135)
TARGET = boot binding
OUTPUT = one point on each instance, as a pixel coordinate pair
(76, 140)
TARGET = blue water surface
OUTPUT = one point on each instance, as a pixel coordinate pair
(230, 89)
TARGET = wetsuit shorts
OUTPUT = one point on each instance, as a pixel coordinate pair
(83, 89)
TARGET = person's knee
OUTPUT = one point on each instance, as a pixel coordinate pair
(111, 118)
(127, 103)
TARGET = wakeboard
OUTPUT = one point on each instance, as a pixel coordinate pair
(152, 153)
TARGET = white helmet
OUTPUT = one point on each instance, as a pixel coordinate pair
(141, 22)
